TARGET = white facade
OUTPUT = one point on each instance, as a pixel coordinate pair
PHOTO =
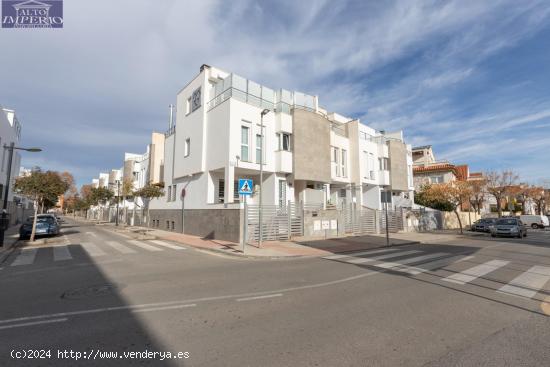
(216, 140)
(10, 132)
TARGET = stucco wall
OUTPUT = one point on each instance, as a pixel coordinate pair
(398, 165)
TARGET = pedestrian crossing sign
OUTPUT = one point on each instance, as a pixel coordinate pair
(245, 186)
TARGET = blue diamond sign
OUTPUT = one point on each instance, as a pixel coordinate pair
(245, 186)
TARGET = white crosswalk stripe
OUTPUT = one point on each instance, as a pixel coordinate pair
(145, 246)
(411, 260)
(61, 253)
(432, 265)
(166, 244)
(26, 257)
(92, 249)
(528, 283)
(470, 274)
(342, 256)
(120, 247)
(363, 260)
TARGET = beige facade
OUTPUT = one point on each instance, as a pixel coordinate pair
(156, 159)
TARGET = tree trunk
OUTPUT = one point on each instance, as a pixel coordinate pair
(33, 232)
(459, 221)
(499, 206)
(42, 208)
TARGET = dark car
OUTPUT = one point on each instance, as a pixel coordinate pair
(46, 225)
(483, 225)
(510, 227)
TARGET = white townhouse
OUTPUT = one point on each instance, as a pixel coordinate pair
(309, 156)
(10, 132)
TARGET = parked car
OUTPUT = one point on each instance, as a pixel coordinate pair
(511, 227)
(534, 221)
(46, 225)
(482, 225)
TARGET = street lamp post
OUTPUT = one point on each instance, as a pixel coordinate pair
(11, 148)
(117, 200)
(260, 214)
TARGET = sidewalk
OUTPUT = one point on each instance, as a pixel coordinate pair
(11, 236)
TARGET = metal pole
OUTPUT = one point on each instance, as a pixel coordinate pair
(261, 177)
(6, 192)
(387, 223)
(117, 200)
(245, 221)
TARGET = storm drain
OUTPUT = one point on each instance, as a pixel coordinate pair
(98, 290)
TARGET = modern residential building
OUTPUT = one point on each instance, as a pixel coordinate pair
(226, 127)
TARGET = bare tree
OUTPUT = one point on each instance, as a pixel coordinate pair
(539, 197)
(499, 185)
(478, 193)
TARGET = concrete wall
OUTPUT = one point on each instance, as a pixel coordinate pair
(310, 217)
(311, 146)
(221, 224)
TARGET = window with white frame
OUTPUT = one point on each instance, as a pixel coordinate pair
(221, 190)
(169, 194)
(335, 160)
(436, 179)
(283, 141)
(371, 166)
(245, 134)
(187, 147)
(344, 162)
(259, 149)
(384, 164)
(174, 190)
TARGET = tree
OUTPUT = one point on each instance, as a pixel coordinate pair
(99, 195)
(147, 193)
(540, 197)
(450, 194)
(477, 188)
(499, 184)
(42, 188)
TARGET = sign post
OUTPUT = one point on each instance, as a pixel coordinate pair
(245, 190)
(386, 197)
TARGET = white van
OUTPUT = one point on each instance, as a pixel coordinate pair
(534, 221)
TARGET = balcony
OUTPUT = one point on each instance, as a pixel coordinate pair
(283, 161)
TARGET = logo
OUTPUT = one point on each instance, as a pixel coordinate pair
(32, 14)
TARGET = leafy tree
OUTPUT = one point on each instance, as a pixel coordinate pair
(451, 194)
(147, 193)
(42, 188)
(423, 197)
(99, 195)
(499, 185)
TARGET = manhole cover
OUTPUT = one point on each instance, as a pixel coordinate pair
(90, 291)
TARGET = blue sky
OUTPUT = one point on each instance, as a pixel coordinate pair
(470, 78)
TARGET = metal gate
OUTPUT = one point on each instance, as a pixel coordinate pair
(359, 221)
(278, 222)
(395, 221)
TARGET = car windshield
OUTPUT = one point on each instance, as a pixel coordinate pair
(509, 222)
(41, 220)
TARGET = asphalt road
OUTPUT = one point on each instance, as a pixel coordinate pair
(467, 302)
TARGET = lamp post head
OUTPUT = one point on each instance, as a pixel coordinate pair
(34, 150)
(265, 112)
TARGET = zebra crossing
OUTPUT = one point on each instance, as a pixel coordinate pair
(526, 283)
(68, 251)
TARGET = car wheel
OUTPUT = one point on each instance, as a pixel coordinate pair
(525, 234)
(493, 235)
(534, 226)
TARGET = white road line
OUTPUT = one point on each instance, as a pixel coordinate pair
(66, 239)
(144, 246)
(122, 235)
(466, 258)
(32, 323)
(166, 244)
(411, 260)
(363, 260)
(120, 247)
(92, 234)
(164, 308)
(26, 257)
(259, 297)
(92, 249)
(431, 265)
(334, 257)
(528, 283)
(468, 275)
(61, 253)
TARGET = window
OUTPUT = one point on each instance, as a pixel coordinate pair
(173, 225)
(167, 224)
(169, 196)
(188, 106)
(174, 193)
(259, 149)
(335, 155)
(221, 191)
(283, 141)
(236, 190)
(187, 147)
(245, 131)
(344, 162)
(384, 164)
(436, 179)
(282, 193)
